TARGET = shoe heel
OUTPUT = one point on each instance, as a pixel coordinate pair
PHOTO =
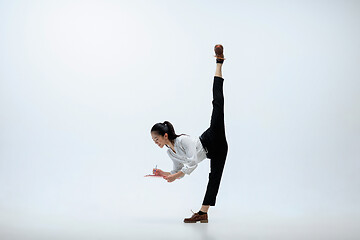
(204, 221)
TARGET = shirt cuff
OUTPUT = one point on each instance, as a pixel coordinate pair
(188, 170)
(182, 175)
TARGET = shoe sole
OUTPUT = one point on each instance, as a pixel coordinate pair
(202, 221)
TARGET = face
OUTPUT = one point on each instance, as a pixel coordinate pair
(159, 140)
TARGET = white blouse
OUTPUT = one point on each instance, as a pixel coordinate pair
(189, 152)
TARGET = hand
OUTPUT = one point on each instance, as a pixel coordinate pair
(158, 172)
(170, 178)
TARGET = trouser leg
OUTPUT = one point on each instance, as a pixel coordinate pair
(214, 140)
(217, 167)
(217, 125)
(217, 115)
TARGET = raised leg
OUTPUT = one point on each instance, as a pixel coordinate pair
(218, 72)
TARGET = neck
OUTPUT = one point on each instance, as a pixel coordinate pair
(170, 144)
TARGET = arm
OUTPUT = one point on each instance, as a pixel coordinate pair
(177, 166)
(174, 176)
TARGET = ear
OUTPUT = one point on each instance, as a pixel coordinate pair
(166, 136)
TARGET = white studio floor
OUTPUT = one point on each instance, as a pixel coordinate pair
(173, 228)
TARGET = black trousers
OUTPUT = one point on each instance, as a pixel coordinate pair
(214, 141)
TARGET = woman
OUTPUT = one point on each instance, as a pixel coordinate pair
(187, 152)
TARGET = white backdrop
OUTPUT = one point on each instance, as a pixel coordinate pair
(83, 82)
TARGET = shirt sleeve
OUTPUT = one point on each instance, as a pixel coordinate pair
(177, 166)
(191, 155)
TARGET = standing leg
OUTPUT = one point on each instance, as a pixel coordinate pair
(217, 165)
(204, 208)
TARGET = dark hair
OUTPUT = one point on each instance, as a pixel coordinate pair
(165, 127)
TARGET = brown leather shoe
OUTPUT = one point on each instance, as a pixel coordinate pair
(197, 217)
(219, 53)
